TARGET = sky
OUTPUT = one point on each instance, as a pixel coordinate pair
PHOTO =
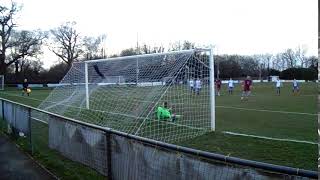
(231, 26)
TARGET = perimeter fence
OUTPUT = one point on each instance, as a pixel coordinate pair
(118, 155)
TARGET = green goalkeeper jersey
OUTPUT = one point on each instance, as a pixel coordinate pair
(163, 113)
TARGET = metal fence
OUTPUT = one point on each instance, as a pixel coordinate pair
(119, 155)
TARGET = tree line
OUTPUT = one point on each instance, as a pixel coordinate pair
(20, 52)
(289, 64)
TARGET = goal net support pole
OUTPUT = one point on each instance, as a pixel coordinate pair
(212, 91)
(86, 84)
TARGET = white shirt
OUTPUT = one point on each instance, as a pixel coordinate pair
(191, 83)
(230, 83)
(295, 83)
(278, 83)
(198, 84)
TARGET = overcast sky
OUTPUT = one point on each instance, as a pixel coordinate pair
(233, 26)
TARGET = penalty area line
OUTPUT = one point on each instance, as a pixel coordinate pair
(269, 138)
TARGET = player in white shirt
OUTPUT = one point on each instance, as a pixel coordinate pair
(191, 84)
(230, 86)
(295, 88)
(278, 86)
(198, 86)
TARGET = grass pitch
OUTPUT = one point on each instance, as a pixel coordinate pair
(288, 116)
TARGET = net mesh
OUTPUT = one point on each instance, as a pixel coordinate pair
(160, 96)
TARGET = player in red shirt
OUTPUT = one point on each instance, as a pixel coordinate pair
(247, 86)
(218, 86)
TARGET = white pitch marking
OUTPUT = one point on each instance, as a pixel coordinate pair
(270, 138)
(263, 110)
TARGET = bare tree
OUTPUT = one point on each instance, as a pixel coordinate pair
(145, 49)
(279, 63)
(27, 44)
(148, 49)
(16, 45)
(311, 62)
(31, 67)
(177, 46)
(300, 54)
(188, 45)
(289, 57)
(267, 60)
(67, 43)
(264, 61)
(128, 52)
(93, 47)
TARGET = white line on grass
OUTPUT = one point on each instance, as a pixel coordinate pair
(264, 110)
(269, 138)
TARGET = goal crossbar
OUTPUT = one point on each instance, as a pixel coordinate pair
(144, 55)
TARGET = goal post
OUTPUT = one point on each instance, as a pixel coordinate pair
(212, 92)
(129, 93)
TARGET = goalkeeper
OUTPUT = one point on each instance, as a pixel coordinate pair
(164, 113)
(25, 86)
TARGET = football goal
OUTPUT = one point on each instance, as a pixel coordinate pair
(1, 82)
(146, 95)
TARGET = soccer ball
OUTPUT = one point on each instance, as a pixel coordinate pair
(242, 98)
(28, 90)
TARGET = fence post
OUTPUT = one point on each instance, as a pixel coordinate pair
(30, 134)
(108, 144)
(2, 111)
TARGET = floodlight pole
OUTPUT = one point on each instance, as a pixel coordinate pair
(86, 84)
(212, 92)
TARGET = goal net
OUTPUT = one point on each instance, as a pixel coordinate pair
(1, 82)
(146, 95)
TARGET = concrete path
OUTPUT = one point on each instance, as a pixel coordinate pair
(14, 164)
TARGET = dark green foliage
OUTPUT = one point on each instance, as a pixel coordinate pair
(299, 73)
(274, 72)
